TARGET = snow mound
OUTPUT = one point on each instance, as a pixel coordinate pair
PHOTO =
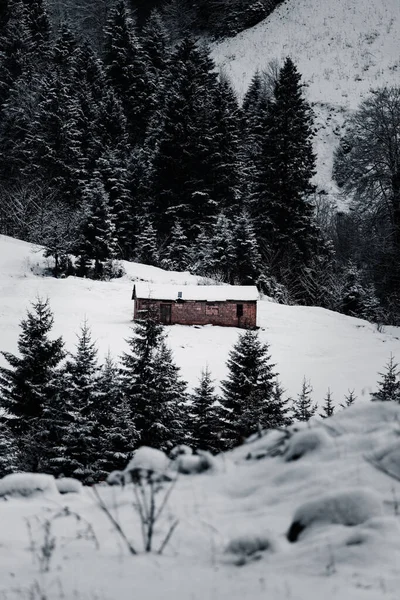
(27, 484)
(248, 547)
(147, 460)
(68, 485)
(181, 449)
(306, 441)
(192, 464)
(388, 459)
(348, 507)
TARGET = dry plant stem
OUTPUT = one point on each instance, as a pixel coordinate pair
(165, 499)
(168, 536)
(141, 513)
(114, 522)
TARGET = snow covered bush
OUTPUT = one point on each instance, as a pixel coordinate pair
(348, 507)
(306, 441)
(145, 462)
(68, 485)
(27, 484)
(178, 450)
(248, 547)
(192, 464)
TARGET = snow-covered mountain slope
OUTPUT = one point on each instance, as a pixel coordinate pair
(349, 547)
(342, 48)
(330, 349)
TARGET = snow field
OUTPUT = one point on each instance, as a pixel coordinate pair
(329, 349)
(231, 538)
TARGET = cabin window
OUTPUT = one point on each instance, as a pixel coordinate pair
(212, 310)
(239, 310)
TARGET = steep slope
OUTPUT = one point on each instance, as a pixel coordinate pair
(330, 349)
(343, 48)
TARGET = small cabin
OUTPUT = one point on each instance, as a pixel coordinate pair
(225, 305)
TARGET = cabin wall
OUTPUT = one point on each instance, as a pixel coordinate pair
(192, 312)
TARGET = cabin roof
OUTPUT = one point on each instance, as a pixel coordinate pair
(206, 293)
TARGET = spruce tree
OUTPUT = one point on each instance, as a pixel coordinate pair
(28, 384)
(247, 263)
(249, 387)
(128, 70)
(206, 416)
(216, 251)
(97, 240)
(146, 244)
(303, 408)
(389, 386)
(79, 445)
(349, 399)
(115, 429)
(9, 452)
(152, 386)
(176, 255)
(328, 406)
(280, 202)
(186, 146)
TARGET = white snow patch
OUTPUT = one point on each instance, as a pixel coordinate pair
(306, 441)
(28, 484)
(348, 507)
(68, 485)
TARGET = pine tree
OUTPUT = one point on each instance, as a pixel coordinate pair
(152, 386)
(97, 232)
(115, 429)
(349, 399)
(128, 69)
(389, 386)
(206, 416)
(146, 245)
(247, 263)
(176, 256)
(303, 408)
(280, 203)
(78, 451)
(216, 251)
(187, 145)
(328, 407)
(9, 454)
(26, 387)
(249, 387)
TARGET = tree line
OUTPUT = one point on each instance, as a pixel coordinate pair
(64, 414)
(137, 148)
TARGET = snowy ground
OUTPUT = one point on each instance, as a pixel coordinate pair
(330, 349)
(342, 48)
(350, 548)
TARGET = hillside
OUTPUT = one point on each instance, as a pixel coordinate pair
(342, 49)
(330, 349)
(349, 549)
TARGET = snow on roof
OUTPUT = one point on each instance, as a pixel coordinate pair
(209, 293)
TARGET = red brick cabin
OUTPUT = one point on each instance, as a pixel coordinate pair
(225, 305)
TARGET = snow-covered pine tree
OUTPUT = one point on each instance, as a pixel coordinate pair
(26, 387)
(249, 387)
(389, 385)
(146, 244)
(31, 384)
(280, 200)
(216, 251)
(9, 451)
(176, 256)
(152, 386)
(206, 416)
(80, 445)
(303, 408)
(128, 69)
(97, 231)
(328, 407)
(115, 429)
(247, 263)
